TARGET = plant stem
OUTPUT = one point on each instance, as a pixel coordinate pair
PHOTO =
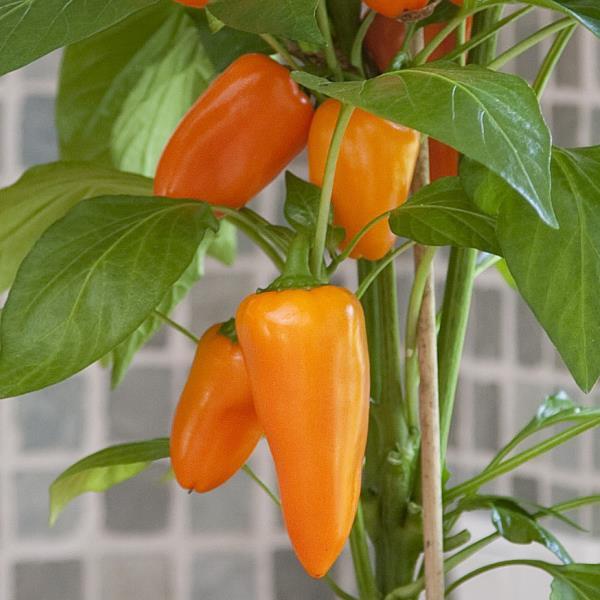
(486, 475)
(330, 56)
(529, 42)
(365, 580)
(453, 328)
(485, 264)
(327, 189)
(484, 35)
(369, 279)
(281, 50)
(356, 54)
(411, 363)
(254, 234)
(431, 469)
(552, 58)
(176, 326)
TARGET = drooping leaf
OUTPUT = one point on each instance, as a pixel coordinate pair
(43, 195)
(587, 12)
(557, 270)
(493, 118)
(294, 19)
(31, 28)
(90, 281)
(575, 582)
(441, 214)
(102, 470)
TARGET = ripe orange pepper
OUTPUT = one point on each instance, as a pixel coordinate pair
(374, 172)
(215, 428)
(245, 128)
(307, 358)
(384, 39)
(393, 8)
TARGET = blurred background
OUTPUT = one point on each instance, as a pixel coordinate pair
(149, 539)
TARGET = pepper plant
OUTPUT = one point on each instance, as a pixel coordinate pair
(95, 255)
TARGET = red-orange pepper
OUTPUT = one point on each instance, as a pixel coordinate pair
(193, 3)
(393, 8)
(373, 175)
(245, 128)
(307, 359)
(215, 428)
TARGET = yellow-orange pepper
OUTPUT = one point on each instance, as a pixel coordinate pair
(373, 175)
(307, 359)
(215, 428)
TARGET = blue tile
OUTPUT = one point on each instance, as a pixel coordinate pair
(220, 576)
(31, 501)
(139, 505)
(39, 135)
(48, 580)
(126, 577)
(53, 418)
(292, 583)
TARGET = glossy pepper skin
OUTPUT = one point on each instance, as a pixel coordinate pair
(394, 8)
(307, 358)
(215, 428)
(237, 137)
(373, 175)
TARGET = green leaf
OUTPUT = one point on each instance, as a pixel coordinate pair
(43, 195)
(123, 92)
(31, 28)
(575, 582)
(223, 246)
(345, 19)
(485, 189)
(122, 355)
(493, 118)
(90, 281)
(301, 209)
(587, 12)
(519, 527)
(557, 270)
(441, 214)
(294, 19)
(102, 470)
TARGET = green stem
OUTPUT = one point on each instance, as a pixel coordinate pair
(485, 35)
(254, 234)
(529, 42)
(176, 326)
(411, 361)
(488, 474)
(355, 240)
(337, 590)
(453, 328)
(281, 50)
(552, 58)
(356, 54)
(372, 276)
(330, 56)
(485, 264)
(327, 189)
(367, 588)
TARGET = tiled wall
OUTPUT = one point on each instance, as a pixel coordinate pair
(148, 539)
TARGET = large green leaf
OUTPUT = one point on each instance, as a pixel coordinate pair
(557, 270)
(493, 118)
(43, 195)
(294, 19)
(587, 12)
(441, 214)
(104, 469)
(31, 28)
(575, 582)
(90, 281)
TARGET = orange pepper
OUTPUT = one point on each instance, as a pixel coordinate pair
(307, 358)
(245, 128)
(393, 8)
(215, 428)
(384, 39)
(374, 172)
